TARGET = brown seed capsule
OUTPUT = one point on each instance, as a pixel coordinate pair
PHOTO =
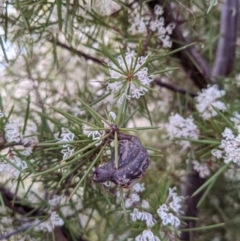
(132, 163)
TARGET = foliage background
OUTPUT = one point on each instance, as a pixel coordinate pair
(54, 52)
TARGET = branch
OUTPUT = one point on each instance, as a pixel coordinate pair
(24, 227)
(191, 183)
(77, 52)
(14, 203)
(173, 88)
(226, 48)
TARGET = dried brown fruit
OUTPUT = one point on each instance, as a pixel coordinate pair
(133, 161)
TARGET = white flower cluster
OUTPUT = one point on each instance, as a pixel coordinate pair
(230, 147)
(96, 135)
(236, 118)
(49, 225)
(168, 213)
(138, 187)
(163, 32)
(13, 132)
(133, 198)
(54, 220)
(55, 201)
(143, 215)
(139, 24)
(208, 99)
(147, 235)
(13, 166)
(178, 127)
(129, 76)
(202, 169)
(66, 136)
(169, 218)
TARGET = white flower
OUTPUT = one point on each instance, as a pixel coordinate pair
(171, 191)
(157, 24)
(209, 99)
(170, 28)
(138, 187)
(202, 169)
(138, 23)
(235, 118)
(168, 218)
(162, 211)
(56, 220)
(230, 147)
(148, 218)
(158, 10)
(44, 226)
(68, 151)
(66, 136)
(2, 167)
(128, 202)
(167, 43)
(10, 169)
(178, 127)
(173, 220)
(176, 203)
(12, 131)
(27, 151)
(147, 235)
(228, 134)
(96, 135)
(145, 204)
(55, 201)
(141, 26)
(136, 215)
(134, 198)
(50, 224)
(129, 78)
(217, 153)
(162, 31)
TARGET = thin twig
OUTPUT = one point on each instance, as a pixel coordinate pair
(78, 52)
(24, 227)
(173, 88)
